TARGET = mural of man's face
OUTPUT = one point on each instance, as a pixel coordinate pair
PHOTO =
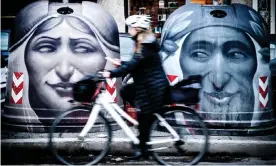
(57, 58)
(226, 59)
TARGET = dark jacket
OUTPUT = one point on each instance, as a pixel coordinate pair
(150, 80)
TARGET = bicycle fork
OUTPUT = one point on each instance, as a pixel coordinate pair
(90, 122)
(101, 101)
(176, 137)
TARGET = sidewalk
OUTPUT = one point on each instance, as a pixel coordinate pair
(257, 146)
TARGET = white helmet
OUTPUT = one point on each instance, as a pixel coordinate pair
(139, 21)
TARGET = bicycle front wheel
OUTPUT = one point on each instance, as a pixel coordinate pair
(193, 133)
(66, 146)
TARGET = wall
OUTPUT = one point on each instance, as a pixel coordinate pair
(117, 10)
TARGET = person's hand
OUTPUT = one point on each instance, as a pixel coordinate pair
(116, 62)
(106, 74)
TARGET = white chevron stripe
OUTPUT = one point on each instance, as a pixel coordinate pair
(111, 82)
(262, 100)
(110, 98)
(263, 85)
(114, 95)
(18, 96)
(18, 81)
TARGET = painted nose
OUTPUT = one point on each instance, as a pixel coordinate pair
(219, 74)
(64, 70)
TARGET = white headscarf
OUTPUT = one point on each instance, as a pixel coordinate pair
(28, 20)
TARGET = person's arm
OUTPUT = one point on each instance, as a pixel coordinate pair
(127, 67)
(144, 47)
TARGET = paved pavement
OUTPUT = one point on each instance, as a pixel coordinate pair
(18, 159)
(32, 149)
(244, 146)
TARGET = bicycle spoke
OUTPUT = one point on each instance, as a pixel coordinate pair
(191, 146)
(66, 145)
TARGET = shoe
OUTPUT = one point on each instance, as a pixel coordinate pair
(138, 155)
(145, 154)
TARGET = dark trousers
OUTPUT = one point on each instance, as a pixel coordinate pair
(145, 119)
(128, 94)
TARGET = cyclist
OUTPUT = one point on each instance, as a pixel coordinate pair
(150, 82)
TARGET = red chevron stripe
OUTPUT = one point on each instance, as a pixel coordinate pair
(17, 89)
(111, 90)
(20, 101)
(171, 77)
(261, 105)
(263, 93)
(18, 74)
(263, 79)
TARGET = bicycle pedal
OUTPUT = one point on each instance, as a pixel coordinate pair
(156, 149)
(102, 135)
(179, 143)
(81, 138)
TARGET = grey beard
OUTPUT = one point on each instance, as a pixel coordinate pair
(240, 108)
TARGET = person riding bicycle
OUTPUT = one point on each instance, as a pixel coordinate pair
(150, 82)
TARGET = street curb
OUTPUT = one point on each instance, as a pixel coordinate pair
(259, 146)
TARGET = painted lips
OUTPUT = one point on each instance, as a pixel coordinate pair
(219, 97)
(64, 89)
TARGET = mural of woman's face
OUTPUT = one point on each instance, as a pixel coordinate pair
(57, 58)
(226, 59)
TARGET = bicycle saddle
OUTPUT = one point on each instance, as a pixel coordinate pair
(186, 91)
(193, 79)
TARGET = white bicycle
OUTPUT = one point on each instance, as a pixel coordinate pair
(177, 136)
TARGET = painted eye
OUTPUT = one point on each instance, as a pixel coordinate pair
(200, 56)
(236, 55)
(83, 48)
(46, 48)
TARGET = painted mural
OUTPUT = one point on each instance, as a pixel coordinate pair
(57, 44)
(54, 46)
(229, 47)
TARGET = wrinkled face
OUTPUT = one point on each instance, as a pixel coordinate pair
(226, 59)
(57, 58)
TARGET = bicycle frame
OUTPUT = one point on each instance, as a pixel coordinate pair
(115, 111)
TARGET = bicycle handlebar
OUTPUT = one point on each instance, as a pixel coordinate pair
(125, 80)
(100, 76)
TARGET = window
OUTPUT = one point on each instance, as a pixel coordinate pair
(5, 44)
(5, 36)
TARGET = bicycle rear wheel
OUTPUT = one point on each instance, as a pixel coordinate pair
(65, 145)
(193, 134)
